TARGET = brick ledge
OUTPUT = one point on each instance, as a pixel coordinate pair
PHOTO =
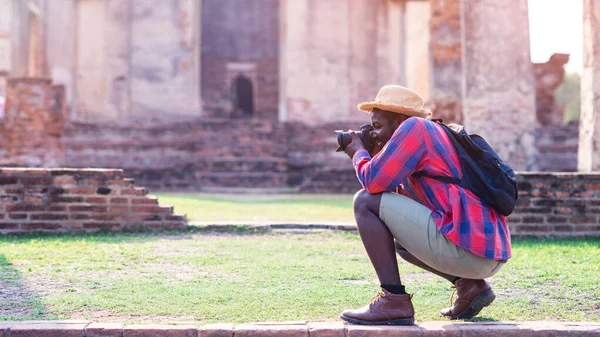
(300, 329)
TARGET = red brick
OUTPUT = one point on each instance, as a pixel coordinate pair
(492, 330)
(103, 330)
(557, 219)
(134, 191)
(24, 208)
(533, 219)
(160, 330)
(216, 330)
(595, 186)
(14, 190)
(95, 182)
(81, 190)
(382, 331)
(96, 200)
(563, 210)
(119, 200)
(107, 217)
(79, 216)
(583, 194)
(513, 219)
(561, 194)
(589, 202)
(61, 199)
(8, 180)
(271, 330)
(35, 181)
(544, 329)
(7, 199)
(575, 202)
(49, 216)
(440, 329)
(326, 329)
(56, 208)
(119, 209)
(48, 329)
(121, 182)
(583, 219)
(525, 228)
(175, 217)
(8, 225)
(587, 228)
(563, 228)
(33, 198)
(144, 201)
(37, 226)
(17, 215)
(80, 208)
(64, 181)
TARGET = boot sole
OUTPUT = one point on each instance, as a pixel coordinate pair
(398, 321)
(481, 301)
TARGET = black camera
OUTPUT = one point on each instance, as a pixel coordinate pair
(344, 138)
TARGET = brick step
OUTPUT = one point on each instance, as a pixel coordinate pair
(302, 329)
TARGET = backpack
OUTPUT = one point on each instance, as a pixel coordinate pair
(484, 173)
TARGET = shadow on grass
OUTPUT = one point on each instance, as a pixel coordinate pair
(16, 301)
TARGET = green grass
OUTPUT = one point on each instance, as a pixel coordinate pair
(261, 208)
(232, 277)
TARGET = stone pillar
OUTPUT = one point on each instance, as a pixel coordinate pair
(60, 20)
(34, 123)
(498, 82)
(589, 122)
(446, 89)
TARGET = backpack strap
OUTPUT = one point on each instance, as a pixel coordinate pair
(447, 180)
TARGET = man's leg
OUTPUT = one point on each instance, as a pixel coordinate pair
(391, 306)
(376, 237)
(408, 257)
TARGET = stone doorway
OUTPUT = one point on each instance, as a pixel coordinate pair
(242, 97)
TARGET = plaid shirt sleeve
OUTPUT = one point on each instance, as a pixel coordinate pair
(401, 156)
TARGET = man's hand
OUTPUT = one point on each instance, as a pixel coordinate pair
(355, 145)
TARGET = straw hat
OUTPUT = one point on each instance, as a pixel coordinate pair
(398, 99)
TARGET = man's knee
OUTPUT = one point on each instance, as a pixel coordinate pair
(366, 202)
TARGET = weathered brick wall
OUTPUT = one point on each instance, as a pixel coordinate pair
(67, 200)
(557, 204)
(33, 123)
(557, 146)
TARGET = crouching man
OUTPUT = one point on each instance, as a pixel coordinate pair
(440, 227)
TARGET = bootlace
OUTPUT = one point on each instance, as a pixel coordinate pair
(377, 296)
(452, 296)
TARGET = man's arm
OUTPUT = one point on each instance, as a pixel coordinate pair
(401, 156)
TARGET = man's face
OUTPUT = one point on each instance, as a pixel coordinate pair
(383, 127)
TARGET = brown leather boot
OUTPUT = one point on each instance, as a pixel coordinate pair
(385, 309)
(473, 295)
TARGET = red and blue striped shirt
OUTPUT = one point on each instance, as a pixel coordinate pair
(464, 218)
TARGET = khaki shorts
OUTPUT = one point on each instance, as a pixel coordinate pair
(413, 227)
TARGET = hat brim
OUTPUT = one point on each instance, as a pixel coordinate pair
(369, 106)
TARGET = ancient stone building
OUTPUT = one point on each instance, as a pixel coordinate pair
(247, 93)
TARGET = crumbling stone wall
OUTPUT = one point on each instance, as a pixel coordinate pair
(70, 200)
